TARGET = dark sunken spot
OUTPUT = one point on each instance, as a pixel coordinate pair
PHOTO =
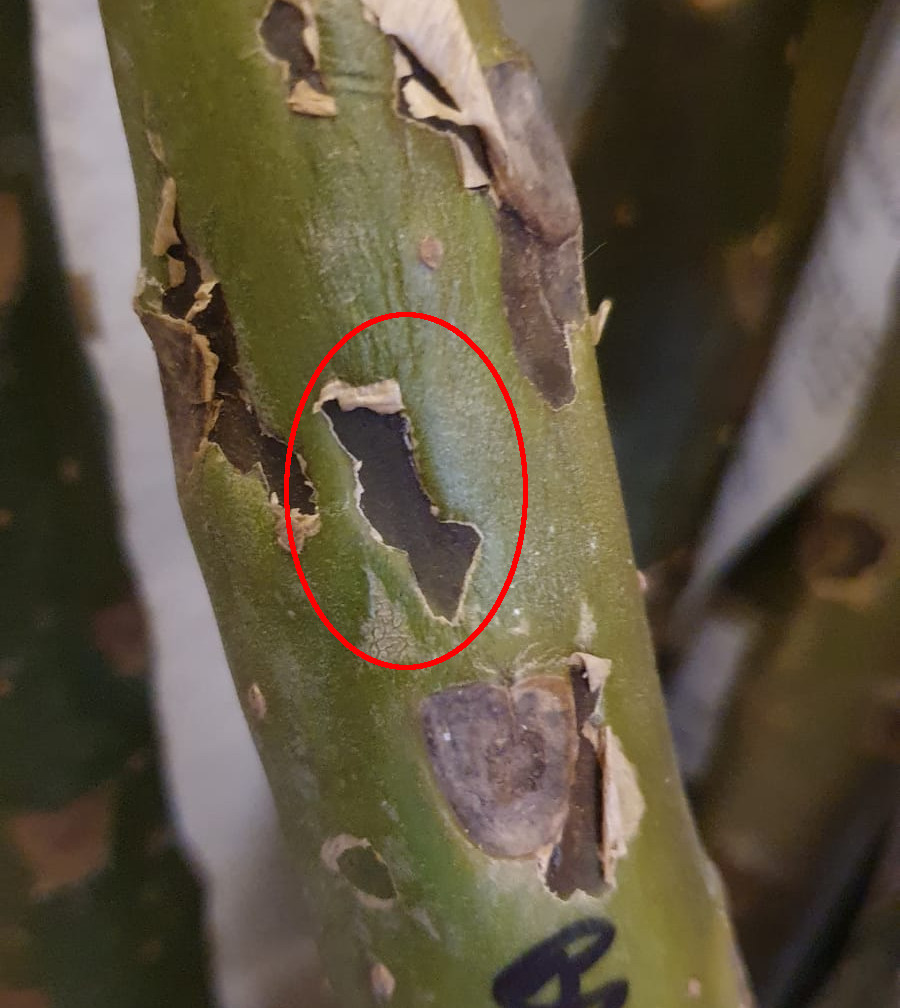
(440, 552)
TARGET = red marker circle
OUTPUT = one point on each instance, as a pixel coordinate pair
(287, 489)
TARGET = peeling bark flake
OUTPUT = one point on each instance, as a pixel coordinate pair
(599, 319)
(187, 368)
(165, 234)
(441, 84)
(574, 862)
(623, 803)
(306, 100)
(206, 401)
(535, 179)
(504, 759)
(380, 397)
(302, 525)
(436, 34)
(595, 670)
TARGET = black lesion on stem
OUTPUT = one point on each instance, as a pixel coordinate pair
(282, 33)
(395, 504)
(237, 430)
(575, 863)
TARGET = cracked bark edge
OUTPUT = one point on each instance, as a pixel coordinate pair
(289, 34)
(205, 396)
(440, 84)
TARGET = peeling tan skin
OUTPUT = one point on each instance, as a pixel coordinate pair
(306, 100)
(165, 235)
(526, 169)
(203, 393)
(623, 803)
(187, 370)
(380, 397)
(596, 670)
(599, 320)
(302, 525)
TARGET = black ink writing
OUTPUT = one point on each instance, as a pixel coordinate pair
(564, 958)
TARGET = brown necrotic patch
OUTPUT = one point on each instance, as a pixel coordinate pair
(504, 759)
(532, 770)
(237, 430)
(543, 300)
(205, 395)
(575, 862)
(505, 142)
(398, 509)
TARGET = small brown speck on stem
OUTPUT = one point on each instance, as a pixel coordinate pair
(256, 702)
(383, 983)
(431, 252)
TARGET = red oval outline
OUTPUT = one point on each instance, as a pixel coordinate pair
(287, 488)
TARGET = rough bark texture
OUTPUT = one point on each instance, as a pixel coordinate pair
(97, 908)
(431, 811)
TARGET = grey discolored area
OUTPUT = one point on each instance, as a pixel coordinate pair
(540, 229)
(542, 301)
(504, 759)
